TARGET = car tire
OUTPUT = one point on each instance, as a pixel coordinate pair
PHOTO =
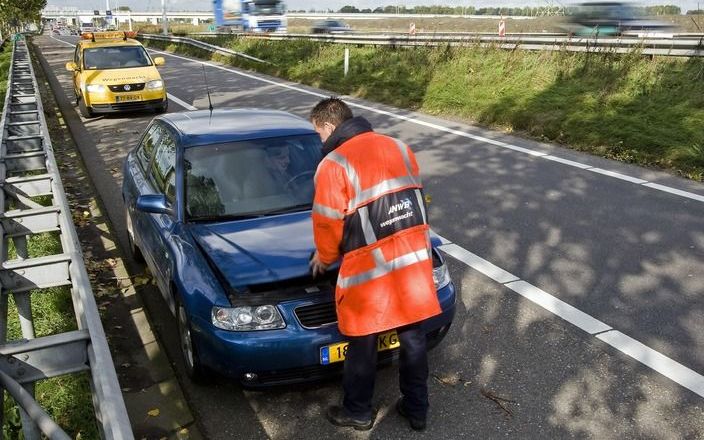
(86, 112)
(189, 352)
(135, 252)
(163, 108)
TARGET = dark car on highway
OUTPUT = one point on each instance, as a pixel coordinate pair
(330, 27)
(228, 245)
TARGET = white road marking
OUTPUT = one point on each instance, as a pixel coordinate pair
(180, 102)
(618, 175)
(535, 153)
(669, 368)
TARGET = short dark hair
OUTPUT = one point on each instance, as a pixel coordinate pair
(332, 110)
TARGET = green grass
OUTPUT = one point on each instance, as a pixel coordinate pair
(632, 108)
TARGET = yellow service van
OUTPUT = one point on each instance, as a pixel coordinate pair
(113, 73)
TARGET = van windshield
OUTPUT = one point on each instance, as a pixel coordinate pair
(115, 57)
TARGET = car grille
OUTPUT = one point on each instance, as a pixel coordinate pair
(316, 315)
(128, 106)
(131, 87)
(269, 23)
(311, 372)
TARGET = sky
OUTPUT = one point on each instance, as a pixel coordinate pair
(205, 5)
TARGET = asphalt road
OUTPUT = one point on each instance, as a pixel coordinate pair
(627, 255)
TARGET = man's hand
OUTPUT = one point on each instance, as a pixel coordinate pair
(317, 267)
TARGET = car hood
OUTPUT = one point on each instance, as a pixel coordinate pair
(262, 250)
(121, 76)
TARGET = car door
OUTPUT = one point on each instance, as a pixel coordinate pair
(136, 183)
(162, 179)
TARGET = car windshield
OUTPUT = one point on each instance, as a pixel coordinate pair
(115, 57)
(250, 178)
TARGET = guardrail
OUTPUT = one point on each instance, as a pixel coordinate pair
(693, 47)
(27, 170)
(202, 45)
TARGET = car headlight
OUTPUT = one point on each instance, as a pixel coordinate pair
(95, 88)
(441, 277)
(266, 317)
(155, 84)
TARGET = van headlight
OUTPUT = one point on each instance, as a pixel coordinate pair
(239, 319)
(155, 84)
(95, 88)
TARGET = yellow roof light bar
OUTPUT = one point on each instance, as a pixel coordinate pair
(115, 35)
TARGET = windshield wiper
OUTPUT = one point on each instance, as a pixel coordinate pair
(223, 218)
(294, 208)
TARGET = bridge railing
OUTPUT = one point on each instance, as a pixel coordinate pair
(28, 175)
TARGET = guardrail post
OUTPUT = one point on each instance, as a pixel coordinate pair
(347, 60)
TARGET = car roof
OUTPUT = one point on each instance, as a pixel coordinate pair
(201, 127)
(109, 43)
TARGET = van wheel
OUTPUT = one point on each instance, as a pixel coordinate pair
(189, 352)
(86, 112)
(163, 108)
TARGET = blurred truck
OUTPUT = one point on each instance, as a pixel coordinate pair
(250, 15)
(609, 19)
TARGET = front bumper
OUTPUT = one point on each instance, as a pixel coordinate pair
(129, 106)
(292, 354)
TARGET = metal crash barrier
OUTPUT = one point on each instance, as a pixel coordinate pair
(693, 46)
(28, 170)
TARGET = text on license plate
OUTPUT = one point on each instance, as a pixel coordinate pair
(337, 352)
(124, 98)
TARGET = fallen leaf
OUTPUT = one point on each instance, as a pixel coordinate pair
(86, 214)
(153, 413)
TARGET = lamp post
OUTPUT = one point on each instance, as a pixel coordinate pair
(164, 24)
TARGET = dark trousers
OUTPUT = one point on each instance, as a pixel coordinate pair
(360, 373)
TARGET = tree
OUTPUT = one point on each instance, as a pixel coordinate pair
(15, 13)
(124, 9)
(349, 10)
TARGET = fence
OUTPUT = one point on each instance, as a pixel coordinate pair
(28, 170)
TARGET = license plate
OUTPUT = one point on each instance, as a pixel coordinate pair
(125, 98)
(337, 352)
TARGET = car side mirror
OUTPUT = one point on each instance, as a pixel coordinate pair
(159, 61)
(71, 66)
(154, 204)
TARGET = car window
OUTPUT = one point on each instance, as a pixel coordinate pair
(75, 55)
(163, 166)
(146, 149)
(115, 57)
(251, 178)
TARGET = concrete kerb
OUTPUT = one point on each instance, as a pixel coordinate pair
(174, 416)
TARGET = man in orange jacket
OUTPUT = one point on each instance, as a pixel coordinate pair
(369, 210)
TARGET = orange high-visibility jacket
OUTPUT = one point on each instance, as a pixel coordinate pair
(369, 207)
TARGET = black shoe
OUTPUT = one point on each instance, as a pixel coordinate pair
(337, 416)
(416, 424)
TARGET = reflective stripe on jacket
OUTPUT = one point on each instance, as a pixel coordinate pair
(369, 208)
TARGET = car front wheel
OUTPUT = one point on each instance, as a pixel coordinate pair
(194, 370)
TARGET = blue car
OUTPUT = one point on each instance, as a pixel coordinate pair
(219, 206)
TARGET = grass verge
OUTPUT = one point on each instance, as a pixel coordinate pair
(643, 110)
